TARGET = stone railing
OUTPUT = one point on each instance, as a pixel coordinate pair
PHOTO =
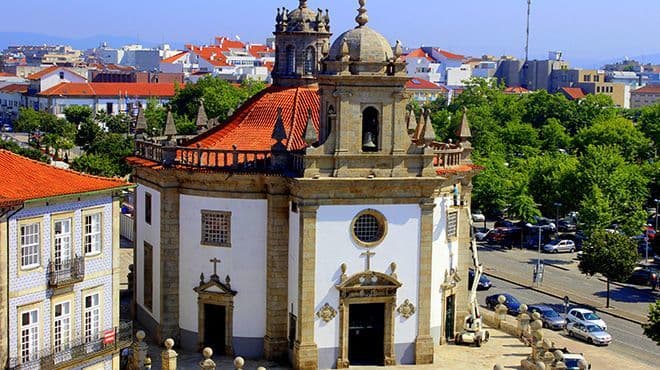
(447, 154)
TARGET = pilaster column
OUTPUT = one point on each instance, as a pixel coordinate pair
(305, 349)
(277, 269)
(169, 265)
(424, 341)
(464, 257)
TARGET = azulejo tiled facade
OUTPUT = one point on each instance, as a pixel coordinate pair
(339, 214)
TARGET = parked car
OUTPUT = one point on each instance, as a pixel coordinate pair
(507, 237)
(590, 333)
(484, 281)
(559, 245)
(478, 216)
(572, 361)
(566, 225)
(585, 317)
(544, 221)
(6, 128)
(503, 223)
(551, 319)
(511, 303)
(643, 276)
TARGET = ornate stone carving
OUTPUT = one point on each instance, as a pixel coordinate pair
(393, 271)
(451, 279)
(406, 309)
(327, 313)
(344, 276)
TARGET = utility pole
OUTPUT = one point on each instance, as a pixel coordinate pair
(529, 12)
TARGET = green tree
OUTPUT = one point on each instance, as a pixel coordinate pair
(107, 152)
(553, 136)
(523, 207)
(649, 122)
(652, 328)
(184, 126)
(492, 186)
(117, 124)
(95, 164)
(156, 116)
(28, 120)
(610, 254)
(32, 153)
(591, 109)
(77, 114)
(615, 132)
(595, 211)
(87, 133)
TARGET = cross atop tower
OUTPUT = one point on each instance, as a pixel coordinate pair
(215, 262)
(368, 254)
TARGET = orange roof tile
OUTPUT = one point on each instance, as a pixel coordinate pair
(227, 43)
(648, 89)
(458, 169)
(175, 58)
(258, 50)
(573, 93)
(24, 179)
(111, 89)
(515, 90)
(5, 74)
(449, 55)
(419, 53)
(212, 54)
(251, 127)
(421, 84)
(45, 71)
(14, 88)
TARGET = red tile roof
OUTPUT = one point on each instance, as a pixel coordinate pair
(14, 88)
(227, 43)
(111, 89)
(258, 50)
(175, 58)
(573, 93)
(516, 90)
(463, 168)
(419, 53)
(648, 89)
(45, 71)
(212, 54)
(421, 84)
(449, 55)
(252, 125)
(5, 74)
(23, 179)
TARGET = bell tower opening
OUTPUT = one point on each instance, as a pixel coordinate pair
(370, 130)
(310, 61)
(290, 60)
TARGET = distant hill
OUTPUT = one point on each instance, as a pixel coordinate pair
(26, 38)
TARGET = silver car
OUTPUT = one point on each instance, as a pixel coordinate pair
(590, 333)
(558, 245)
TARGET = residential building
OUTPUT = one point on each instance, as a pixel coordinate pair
(112, 98)
(645, 96)
(431, 64)
(291, 247)
(36, 55)
(48, 78)
(11, 99)
(591, 82)
(509, 71)
(59, 287)
(572, 93)
(458, 76)
(425, 91)
(484, 69)
(536, 74)
(633, 79)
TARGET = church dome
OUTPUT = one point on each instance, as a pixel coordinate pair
(364, 45)
(302, 19)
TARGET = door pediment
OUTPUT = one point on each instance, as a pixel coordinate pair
(370, 284)
(215, 286)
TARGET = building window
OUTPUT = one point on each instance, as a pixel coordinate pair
(596, 78)
(587, 78)
(62, 327)
(30, 245)
(369, 228)
(62, 233)
(92, 233)
(216, 228)
(290, 60)
(92, 318)
(148, 276)
(61, 75)
(29, 336)
(147, 208)
(108, 108)
(452, 225)
(370, 130)
(310, 61)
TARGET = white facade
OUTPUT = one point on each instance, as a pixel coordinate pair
(458, 76)
(147, 232)
(421, 67)
(29, 290)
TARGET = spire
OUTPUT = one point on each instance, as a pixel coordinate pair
(411, 120)
(362, 19)
(398, 50)
(279, 132)
(464, 133)
(429, 133)
(419, 129)
(141, 124)
(170, 127)
(303, 4)
(310, 134)
(202, 120)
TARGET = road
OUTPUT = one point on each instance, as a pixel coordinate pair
(629, 341)
(561, 273)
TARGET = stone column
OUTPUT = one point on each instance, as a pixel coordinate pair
(169, 356)
(424, 341)
(277, 270)
(4, 311)
(139, 351)
(169, 264)
(305, 351)
(464, 258)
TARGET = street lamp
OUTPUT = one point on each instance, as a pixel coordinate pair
(538, 270)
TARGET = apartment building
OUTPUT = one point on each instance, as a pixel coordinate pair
(645, 96)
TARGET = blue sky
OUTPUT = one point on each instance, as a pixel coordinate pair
(583, 29)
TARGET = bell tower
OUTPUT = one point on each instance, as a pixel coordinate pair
(302, 37)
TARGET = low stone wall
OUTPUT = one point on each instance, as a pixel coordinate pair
(509, 326)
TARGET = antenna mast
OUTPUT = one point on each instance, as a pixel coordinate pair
(529, 11)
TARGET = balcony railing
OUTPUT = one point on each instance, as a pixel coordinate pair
(66, 272)
(78, 350)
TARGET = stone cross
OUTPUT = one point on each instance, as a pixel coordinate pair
(215, 262)
(368, 254)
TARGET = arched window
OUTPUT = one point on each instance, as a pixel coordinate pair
(290, 60)
(310, 60)
(370, 130)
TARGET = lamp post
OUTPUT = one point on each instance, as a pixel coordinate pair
(538, 270)
(657, 201)
(557, 205)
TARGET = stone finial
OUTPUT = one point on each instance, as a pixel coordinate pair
(207, 363)
(398, 49)
(139, 351)
(170, 127)
(279, 132)
(239, 362)
(202, 122)
(393, 270)
(464, 133)
(498, 367)
(362, 19)
(141, 124)
(303, 4)
(169, 356)
(411, 121)
(429, 132)
(344, 276)
(419, 129)
(310, 133)
(345, 52)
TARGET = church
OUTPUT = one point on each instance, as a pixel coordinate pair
(321, 224)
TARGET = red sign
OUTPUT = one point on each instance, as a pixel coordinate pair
(109, 336)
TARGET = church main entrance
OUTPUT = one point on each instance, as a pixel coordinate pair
(366, 331)
(214, 327)
(449, 317)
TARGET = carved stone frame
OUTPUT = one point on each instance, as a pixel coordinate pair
(352, 293)
(216, 293)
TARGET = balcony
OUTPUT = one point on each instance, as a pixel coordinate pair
(79, 350)
(66, 272)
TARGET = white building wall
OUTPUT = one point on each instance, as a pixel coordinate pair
(149, 233)
(294, 241)
(458, 76)
(445, 255)
(53, 79)
(244, 262)
(335, 245)
(31, 287)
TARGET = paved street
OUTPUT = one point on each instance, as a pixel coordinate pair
(629, 342)
(562, 274)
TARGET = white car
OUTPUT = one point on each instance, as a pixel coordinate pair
(585, 317)
(590, 333)
(558, 245)
(477, 216)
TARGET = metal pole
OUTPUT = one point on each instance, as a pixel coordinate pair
(538, 262)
